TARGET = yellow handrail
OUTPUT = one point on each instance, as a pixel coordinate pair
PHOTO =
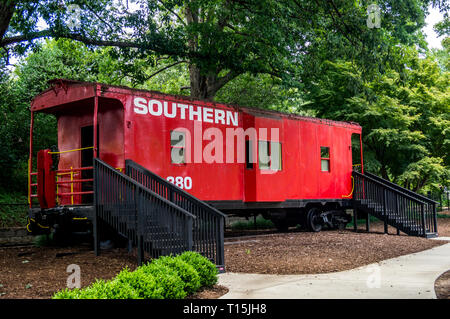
(353, 187)
(29, 182)
(75, 150)
(71, 184)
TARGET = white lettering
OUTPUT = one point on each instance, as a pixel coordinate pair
(152, 111)
(220, 116)
(207, 115)
(139, 105)
(166, 111)
(183, 108)
(198, 113)
(233, 117)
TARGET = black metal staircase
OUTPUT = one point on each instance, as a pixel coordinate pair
(396, 206)
(151, 218)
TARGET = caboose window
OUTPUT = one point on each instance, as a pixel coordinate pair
(177, 147)
(269, 154)
(324, 159)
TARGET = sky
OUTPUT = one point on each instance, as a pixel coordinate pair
(433, 17)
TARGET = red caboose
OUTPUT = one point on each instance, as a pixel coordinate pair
(245, 161)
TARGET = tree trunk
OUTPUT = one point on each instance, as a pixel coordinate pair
(206, 86)
(204, 83)
(7, 8)
(384, 173)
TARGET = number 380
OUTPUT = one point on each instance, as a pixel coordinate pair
(180, 181)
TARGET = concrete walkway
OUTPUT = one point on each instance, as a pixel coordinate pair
(405, 277)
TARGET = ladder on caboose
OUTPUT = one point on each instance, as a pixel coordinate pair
(396, 206)
(155, 216)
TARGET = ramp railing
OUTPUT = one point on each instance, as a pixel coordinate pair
(401, 208)
(151, 223)
(208, 226)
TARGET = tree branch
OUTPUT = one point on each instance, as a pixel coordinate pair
(88, 41)
(165, 68)
(173, 12)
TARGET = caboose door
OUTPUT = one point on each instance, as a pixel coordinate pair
(111, 132)
(87, 154)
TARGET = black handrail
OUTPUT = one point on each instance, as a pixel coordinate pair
(402, 189)
(149, 221)
(130, 165)
(208, 234)
(404, 211)
(380, 183)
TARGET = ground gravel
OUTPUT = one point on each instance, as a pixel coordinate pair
(312, 253)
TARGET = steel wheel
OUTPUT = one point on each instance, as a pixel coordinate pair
(314, 220)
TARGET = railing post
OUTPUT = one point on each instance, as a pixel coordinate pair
(139, 225)
(220, 242)
(95, 217)
(385, 210)
(368, 222)
(422, 212)
(189, 239)
(434, 218)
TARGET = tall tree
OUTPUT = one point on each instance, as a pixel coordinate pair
(222, 39)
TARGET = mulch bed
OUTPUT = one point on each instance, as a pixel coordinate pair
(32, 272)
(443, 227)
(210, 293)
(312, 253)
(442, 286)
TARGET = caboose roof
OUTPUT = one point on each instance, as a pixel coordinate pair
(51, 100)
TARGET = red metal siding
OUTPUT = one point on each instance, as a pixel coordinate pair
(145, 138)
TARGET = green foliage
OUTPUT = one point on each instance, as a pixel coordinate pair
(261, 223)
(143, 283)
(224, 39)
(316, 58)
(44, 240)
(185, 271)
(163, 278)
(68, 294)
(404, 115)
(13, 215)
(168, 278)
(205, 269)
(100, 289)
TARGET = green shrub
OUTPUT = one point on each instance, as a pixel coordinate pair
(112, 289)
(44, 240)
(261, 223)
(100, 289)
(143, 283)
(205, 269)
(163, 278)
(167, 278)
(185, 271)
(67, 294)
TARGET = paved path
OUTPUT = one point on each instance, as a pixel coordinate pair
(405, 277)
